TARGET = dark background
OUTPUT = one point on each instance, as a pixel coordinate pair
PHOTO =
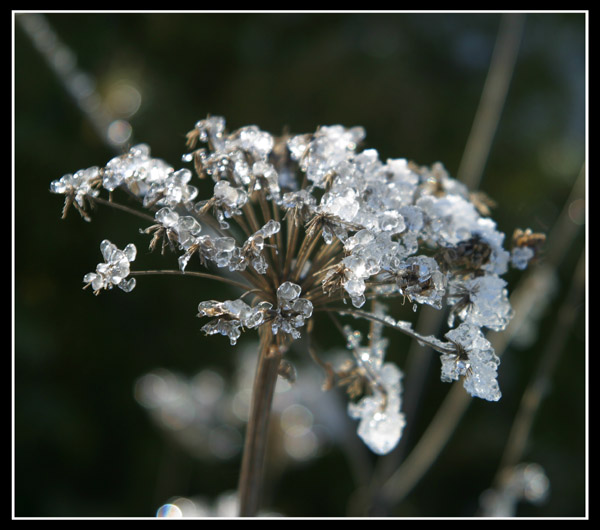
(83, 446)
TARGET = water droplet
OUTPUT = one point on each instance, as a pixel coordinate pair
(169, 511)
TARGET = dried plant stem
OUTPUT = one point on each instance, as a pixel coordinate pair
(121, 207)
(252, 469)
(306, 248)
(208, 276)
(293, 232)
(357, 313)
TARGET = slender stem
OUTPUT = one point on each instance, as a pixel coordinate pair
(193, 274)
(324, 257)
(397, 325)
(122, 207)
(368, 369)
(278, 237)
(538, 386)
(293, 232)
(430, 445)
(306, 248)
(492, 101)
(248, 210)
(253, 459)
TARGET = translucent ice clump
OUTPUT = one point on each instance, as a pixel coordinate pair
(211, 130)
(226, 202)
(287, 292)
(114, 270)
(136, 169)
(229, 196)
(520, 257)
(232, 317)
(381, 422)
(291, 311)
(252, 250)
(253, 140)
(474, 360)
(174, 190)
(78, 186)
(485, 303)
(328, 147)
(344, 205)
(420, 280)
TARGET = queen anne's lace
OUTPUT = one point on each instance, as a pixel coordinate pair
(311, 223)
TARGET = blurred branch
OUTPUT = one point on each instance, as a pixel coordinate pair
(77, 83)
(538, 387)
(493, 96)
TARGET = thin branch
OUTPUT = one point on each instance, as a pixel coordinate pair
(399, 325)
(193, 274)
(492, 100)
(123, 208)
(538, 386)
(88, 101)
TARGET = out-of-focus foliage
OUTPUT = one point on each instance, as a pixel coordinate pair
(84, 443)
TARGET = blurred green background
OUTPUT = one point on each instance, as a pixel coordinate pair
(84, 446)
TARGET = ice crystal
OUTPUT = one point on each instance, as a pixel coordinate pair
(379, 411)
(291, 311)
(307, 224)
(474, 360)
(381, 422)
(114, 270)
(485, 302)
(232, 317)
(77, 188)
(521, 256)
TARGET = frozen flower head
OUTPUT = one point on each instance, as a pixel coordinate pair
(114, 270)
(309, 229)
(474, 360)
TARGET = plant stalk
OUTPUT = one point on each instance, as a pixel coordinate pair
(255, 445)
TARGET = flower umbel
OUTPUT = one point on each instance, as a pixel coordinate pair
(307, 225)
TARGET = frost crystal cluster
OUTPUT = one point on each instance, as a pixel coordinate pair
(310, 224)
(114, 270)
